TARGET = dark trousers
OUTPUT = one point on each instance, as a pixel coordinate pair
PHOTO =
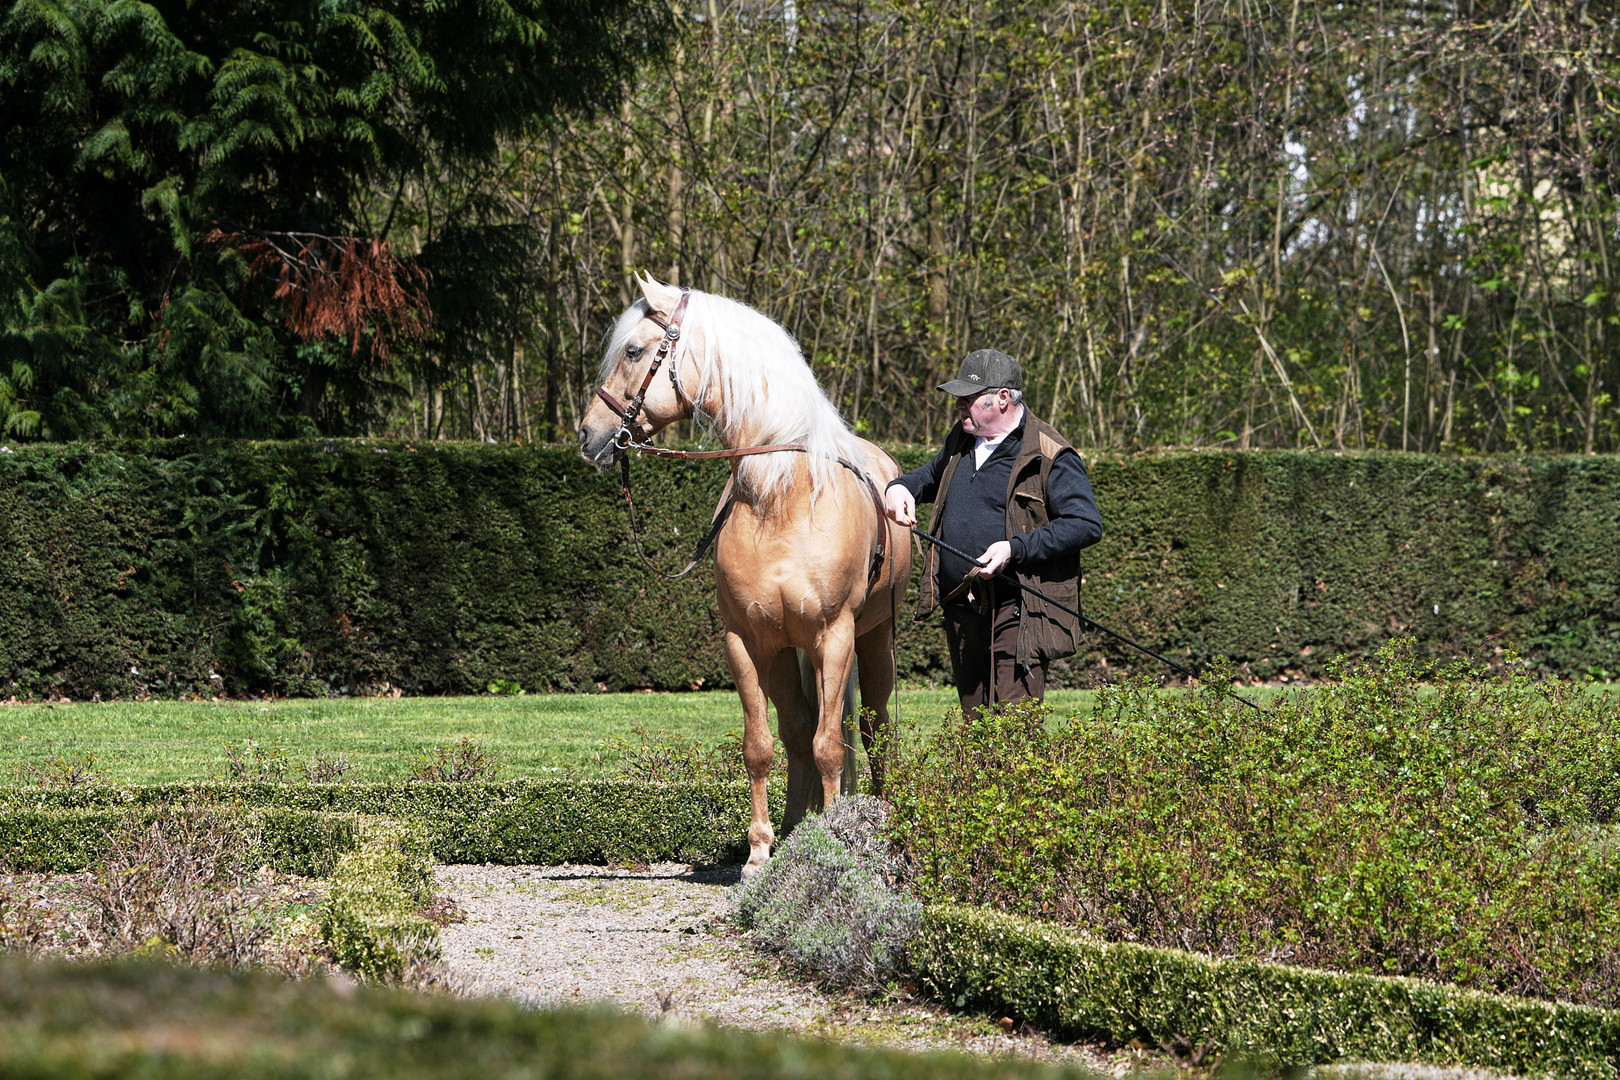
(983, 656)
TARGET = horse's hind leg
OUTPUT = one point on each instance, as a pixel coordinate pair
(874, 660)
(831, 747)
(758, 749)
(807, 683)
(796, 717)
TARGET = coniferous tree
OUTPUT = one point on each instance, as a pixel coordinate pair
(190, 239)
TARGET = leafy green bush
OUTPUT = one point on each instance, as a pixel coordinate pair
(1404, 820)
(371, 918)
(827, 901)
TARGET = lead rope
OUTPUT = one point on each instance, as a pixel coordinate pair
(721, 513)
(1086, 619)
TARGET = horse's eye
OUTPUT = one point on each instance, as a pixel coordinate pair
(632, 351)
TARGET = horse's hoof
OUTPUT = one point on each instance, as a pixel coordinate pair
(756, 862)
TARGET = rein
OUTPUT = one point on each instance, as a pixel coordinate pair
(1093, 623)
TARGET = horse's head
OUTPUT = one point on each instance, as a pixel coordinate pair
(630, 369)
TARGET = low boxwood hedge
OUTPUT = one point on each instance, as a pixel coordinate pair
(972, 958)
(1080, 988)
(63, 840)
(380, 869)
(172, 1023)
(502, 821)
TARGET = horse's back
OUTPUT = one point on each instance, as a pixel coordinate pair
(810, 559)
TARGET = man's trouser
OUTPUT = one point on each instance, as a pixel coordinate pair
(984, 648)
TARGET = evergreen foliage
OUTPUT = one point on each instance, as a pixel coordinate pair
(152, 156)
(329, 567)
(318, 567)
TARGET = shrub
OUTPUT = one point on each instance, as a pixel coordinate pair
(371, 919)
(1373, 825)
(174, 885)
(459, 764)
(664, 756)
(255, 761)
(827, 901)
(66, 772)
(24, 925)
(175, 881)
(321, 769)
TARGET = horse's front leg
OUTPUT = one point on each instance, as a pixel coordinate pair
(758, 750)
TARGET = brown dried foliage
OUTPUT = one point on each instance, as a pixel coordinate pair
(178, 885)
(339, 286)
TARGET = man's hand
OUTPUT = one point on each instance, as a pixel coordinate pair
(995, 558)
(900, 505)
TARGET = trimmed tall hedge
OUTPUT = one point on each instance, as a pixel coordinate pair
(340, 566)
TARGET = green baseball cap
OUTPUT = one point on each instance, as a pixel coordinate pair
(985, 369)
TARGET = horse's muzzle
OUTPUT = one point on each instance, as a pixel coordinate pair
(597, 447)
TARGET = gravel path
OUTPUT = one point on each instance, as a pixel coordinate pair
(656, 940)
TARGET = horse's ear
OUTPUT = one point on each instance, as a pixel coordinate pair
(660, 297)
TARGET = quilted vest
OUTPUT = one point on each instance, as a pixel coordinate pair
(1044, 632)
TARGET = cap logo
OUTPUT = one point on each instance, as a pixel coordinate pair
(975, 378)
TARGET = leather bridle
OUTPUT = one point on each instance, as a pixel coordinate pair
(629, 423)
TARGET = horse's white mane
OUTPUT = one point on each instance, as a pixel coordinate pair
(767, 391)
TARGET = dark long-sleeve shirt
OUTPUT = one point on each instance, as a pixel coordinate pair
(976, 508)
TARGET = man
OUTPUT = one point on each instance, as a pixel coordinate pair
(1006, 484)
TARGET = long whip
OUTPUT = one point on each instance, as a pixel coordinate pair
(1093, 623)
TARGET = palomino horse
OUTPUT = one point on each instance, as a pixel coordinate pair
(805, 560)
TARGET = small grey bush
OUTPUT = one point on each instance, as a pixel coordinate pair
(827, 903)
(177, 886)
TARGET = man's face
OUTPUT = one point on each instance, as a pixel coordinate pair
(988, 414)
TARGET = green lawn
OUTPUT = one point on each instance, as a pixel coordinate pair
(383, 738)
